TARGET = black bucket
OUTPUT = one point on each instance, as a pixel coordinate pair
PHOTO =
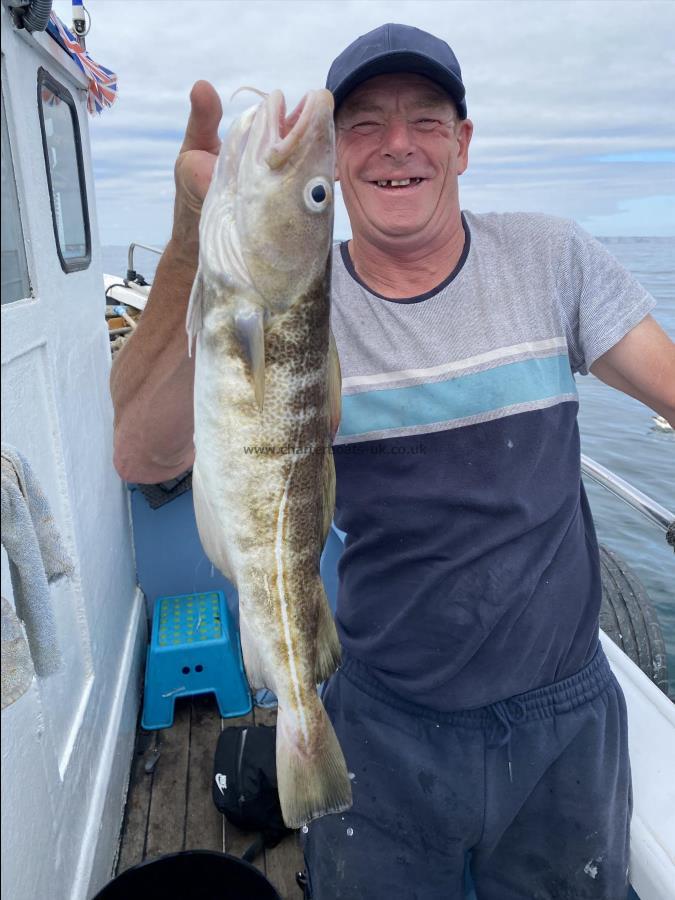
(192, 875)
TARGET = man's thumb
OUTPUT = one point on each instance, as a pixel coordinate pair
(205, 115)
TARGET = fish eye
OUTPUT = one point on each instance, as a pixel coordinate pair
(317, 194)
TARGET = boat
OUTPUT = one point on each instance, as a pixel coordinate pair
(70, 741)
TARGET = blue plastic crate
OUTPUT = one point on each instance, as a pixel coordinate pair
(194, 649)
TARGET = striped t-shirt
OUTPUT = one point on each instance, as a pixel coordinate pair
(470, 571)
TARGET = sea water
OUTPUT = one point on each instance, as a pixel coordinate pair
(616, 431)
(620, 433)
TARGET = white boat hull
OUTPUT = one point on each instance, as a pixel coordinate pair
(651, 738)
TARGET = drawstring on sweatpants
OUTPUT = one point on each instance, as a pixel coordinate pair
(507, 713)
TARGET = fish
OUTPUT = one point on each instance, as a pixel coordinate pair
(266, 408)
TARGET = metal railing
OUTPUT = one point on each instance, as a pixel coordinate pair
(658, 515)
(131, 272)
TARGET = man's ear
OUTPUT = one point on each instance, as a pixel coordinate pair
(464, 135)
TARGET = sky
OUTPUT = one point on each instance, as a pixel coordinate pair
(572, 100)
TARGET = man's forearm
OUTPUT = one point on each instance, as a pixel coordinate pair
(152, 379)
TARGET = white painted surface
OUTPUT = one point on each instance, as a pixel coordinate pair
(651, 738)
(67, 743)
(135, 295)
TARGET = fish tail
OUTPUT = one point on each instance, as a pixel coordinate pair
(310, 784)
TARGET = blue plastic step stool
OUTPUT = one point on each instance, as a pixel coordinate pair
(194, 649)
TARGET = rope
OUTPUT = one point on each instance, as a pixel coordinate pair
(506, 713)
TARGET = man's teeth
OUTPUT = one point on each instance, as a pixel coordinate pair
(404, 182)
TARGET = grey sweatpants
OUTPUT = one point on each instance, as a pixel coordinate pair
(535, 790)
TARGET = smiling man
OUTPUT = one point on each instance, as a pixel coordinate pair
(474, 705)
(408, 192)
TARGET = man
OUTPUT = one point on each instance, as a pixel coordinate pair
(474, 705)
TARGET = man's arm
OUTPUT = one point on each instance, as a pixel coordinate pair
(642, 364)
(152, 378)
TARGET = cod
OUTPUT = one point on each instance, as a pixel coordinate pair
(266, 406)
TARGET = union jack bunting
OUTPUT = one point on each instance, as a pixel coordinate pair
(49, 98)
(102, 82)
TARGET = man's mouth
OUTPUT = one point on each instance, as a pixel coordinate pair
(397, 184)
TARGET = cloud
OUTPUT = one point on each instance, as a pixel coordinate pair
(572, 102)
(645, 215)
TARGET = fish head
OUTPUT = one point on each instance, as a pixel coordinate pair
(269, 218)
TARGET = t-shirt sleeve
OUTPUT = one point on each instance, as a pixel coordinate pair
(600, 300)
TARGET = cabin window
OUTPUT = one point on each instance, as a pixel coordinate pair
(15, 283)
(65, 172)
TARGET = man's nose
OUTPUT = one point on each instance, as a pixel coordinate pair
(397, 140)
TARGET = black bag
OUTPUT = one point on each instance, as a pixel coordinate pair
(244, 785)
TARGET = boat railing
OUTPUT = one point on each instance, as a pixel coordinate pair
(131, 271)
(654, 512)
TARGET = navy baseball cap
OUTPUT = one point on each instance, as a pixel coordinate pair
(397, 48)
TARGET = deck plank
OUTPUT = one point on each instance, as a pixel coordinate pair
(284, 860)
(172, 808)
(203, 822)
(281, 864)
(135, 824)
(166, 821)
(263, 715)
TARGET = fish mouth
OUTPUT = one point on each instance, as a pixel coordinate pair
(288, 131)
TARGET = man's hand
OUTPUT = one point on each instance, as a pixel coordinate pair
(152, 380)
(194, 166)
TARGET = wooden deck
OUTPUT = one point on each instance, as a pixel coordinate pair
(170, 808)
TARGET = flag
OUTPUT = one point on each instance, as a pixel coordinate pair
(102, 82)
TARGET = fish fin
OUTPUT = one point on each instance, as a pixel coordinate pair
(334, 386)
(195, 313)
(210, 530)
(315, 783)
(249, 324)
(328, 650)
(253, 661)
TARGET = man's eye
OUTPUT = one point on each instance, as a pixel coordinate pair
(425, 124)
(366, 127)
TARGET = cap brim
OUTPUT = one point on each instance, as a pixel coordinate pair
(404, 61)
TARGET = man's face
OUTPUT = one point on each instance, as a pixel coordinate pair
(400, 128)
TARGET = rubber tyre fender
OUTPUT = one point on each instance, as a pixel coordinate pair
(35, 16)
(628, 617)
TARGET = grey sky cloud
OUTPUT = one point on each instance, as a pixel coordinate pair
(572, 101)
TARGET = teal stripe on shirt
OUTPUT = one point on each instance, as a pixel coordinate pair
(527, 381)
